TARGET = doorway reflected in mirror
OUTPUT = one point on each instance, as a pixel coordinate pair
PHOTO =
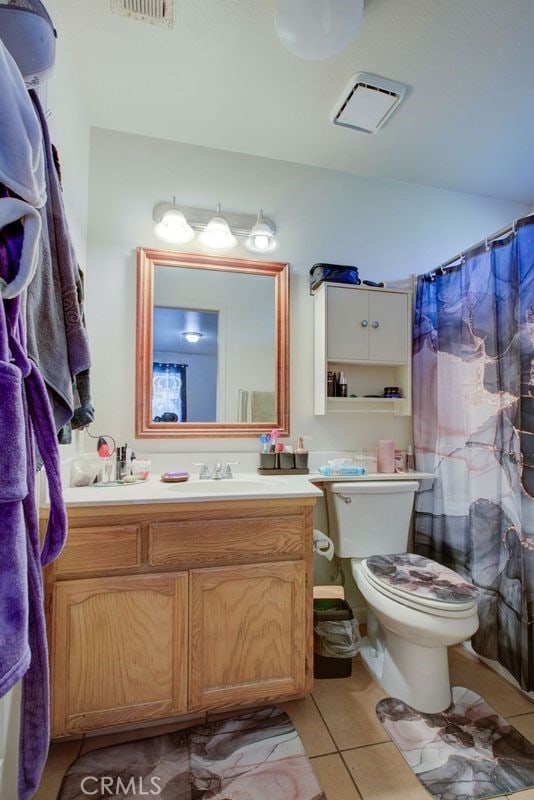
(186, 342)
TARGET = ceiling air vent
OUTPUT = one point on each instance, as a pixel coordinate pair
(156, 12)
(367, 102)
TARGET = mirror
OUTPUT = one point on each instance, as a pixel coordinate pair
(212, 345)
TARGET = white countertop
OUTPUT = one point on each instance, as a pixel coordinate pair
(244, 486)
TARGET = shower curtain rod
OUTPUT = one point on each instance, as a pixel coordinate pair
(511, 228)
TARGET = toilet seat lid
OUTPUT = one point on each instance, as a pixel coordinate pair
(425, 581)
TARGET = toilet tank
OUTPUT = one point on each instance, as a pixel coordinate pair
(368, 518)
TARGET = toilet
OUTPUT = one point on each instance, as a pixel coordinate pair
(416, 607)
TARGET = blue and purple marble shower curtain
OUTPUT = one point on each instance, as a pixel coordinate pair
(474, 428)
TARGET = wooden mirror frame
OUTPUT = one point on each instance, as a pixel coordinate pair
(145, 428)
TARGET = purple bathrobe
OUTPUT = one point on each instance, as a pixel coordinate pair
(26, 422)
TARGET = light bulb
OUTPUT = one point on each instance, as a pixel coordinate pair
(218, 234)
(261, 242)
(261, 238)
(174, 228)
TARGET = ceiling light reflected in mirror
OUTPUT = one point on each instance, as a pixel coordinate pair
(192, 336)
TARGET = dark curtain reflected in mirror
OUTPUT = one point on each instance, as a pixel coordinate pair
(169, 392)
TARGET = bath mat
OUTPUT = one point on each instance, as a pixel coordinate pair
(466, 751)
(253, 756)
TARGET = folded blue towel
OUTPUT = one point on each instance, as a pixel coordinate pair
(348, 471)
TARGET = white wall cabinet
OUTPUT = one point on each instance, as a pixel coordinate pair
(367, 334)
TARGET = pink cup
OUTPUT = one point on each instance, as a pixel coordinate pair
(386, 456)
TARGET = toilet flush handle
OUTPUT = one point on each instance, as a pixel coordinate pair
(344, 497)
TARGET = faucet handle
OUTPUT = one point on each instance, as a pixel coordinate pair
(227, 471)
(204, 471)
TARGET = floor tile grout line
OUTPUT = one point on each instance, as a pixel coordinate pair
(353, 779)
(325, 722)
(363, 746)
(520, 714)
(340, 752)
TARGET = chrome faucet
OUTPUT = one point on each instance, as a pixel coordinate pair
(204, 471)
(219, 473)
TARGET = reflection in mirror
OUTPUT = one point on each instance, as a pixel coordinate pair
(226, 372)
(184, 364)
(217, 332)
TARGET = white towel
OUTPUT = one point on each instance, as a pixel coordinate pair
(21, 150)
(12, 210)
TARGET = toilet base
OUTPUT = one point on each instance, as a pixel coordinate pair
(416, 675)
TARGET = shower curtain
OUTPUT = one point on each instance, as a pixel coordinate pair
(474, 428)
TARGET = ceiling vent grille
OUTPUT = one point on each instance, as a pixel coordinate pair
(367, 102)
(155, 12)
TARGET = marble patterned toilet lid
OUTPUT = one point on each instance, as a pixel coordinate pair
(420, 576)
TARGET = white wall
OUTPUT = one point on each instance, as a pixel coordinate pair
(69, 129)
(388, 229)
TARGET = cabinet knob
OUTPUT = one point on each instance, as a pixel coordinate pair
(364, 323)
(376, 324)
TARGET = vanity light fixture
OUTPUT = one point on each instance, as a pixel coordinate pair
(218, 235)
(261, 238)
(177, 225)
(173, 226)
(192, 336)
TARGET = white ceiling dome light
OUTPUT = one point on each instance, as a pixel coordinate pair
(261, 238)
(192, 336)
(173, 227)
(218, 235)
(317, 29)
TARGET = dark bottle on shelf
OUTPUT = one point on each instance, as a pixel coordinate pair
(330, 384)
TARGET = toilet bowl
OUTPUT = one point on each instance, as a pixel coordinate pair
(416, 607)
(405, 649)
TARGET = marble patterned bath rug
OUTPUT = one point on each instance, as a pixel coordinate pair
(466, 751)
(253, 756)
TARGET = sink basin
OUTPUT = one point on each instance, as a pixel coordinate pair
(231, 486)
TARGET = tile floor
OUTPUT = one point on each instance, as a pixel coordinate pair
(350, 750)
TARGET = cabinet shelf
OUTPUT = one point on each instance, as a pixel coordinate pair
(386, 405)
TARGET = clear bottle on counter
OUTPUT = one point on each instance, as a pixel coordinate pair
(410, 459)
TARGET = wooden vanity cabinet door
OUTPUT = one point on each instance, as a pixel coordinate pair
(119, 651)
(247, 634)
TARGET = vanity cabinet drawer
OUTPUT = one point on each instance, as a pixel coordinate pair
(90, 550)
(212, 541)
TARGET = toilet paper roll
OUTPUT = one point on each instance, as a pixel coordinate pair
(323, 544)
